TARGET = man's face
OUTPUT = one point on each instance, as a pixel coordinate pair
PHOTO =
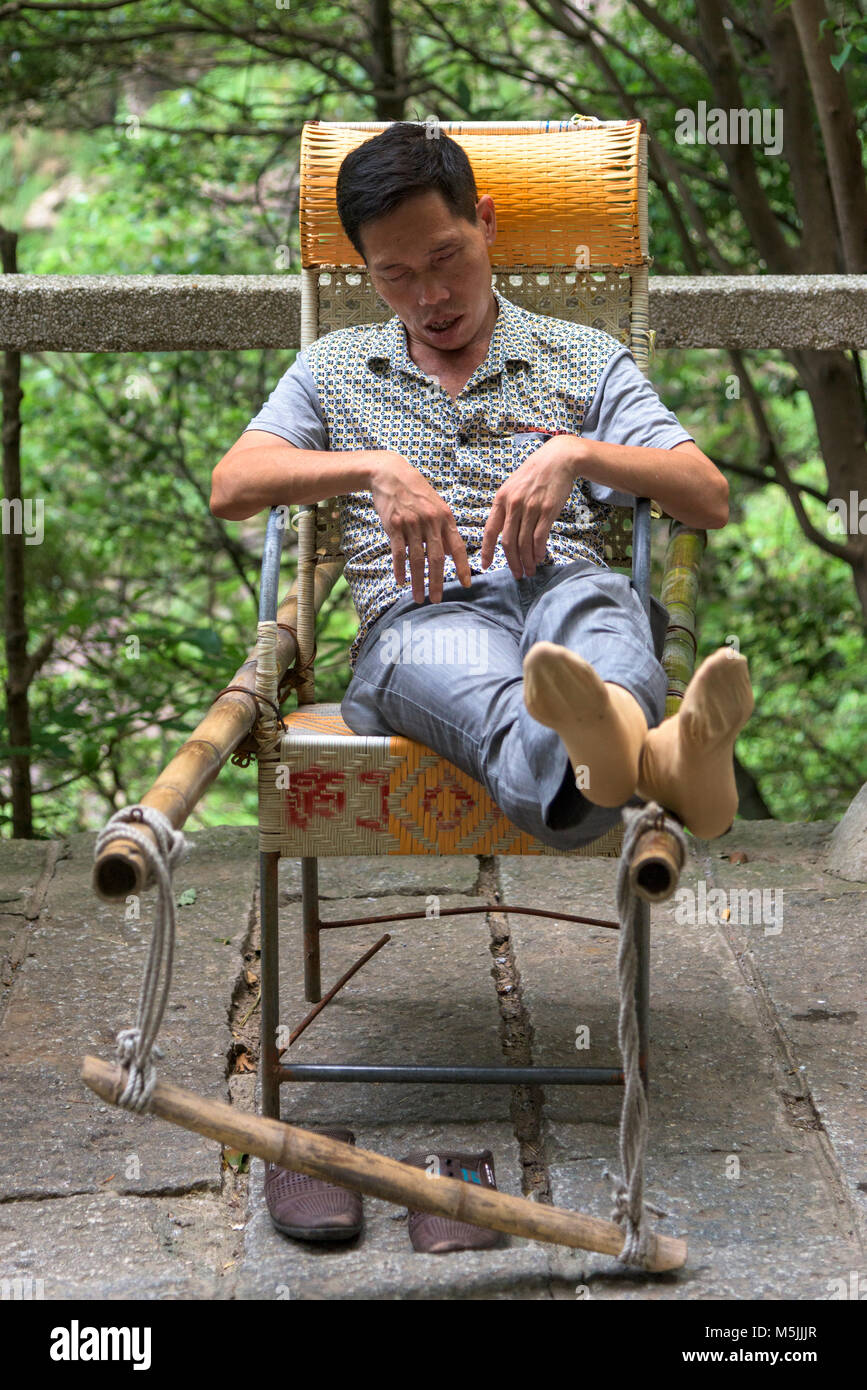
(432, 268)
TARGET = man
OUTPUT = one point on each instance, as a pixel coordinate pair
(487, 443)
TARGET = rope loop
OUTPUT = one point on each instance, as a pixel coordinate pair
(136, 1047)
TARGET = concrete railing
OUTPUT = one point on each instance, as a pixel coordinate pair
(164, 313)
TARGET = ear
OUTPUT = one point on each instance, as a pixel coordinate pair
(487, 214)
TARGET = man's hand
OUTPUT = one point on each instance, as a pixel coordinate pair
(527, 505)
(415, 518)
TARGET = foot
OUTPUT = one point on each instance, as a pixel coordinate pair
(687, 762)
(601, 724)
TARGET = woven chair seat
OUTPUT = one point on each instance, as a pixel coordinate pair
(332, 792)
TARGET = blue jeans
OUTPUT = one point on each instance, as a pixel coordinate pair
(449, 675)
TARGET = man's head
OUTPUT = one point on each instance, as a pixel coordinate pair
(408, 203)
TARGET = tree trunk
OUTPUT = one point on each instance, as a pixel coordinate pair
(387, 84)
(839, 133)
(14, 620)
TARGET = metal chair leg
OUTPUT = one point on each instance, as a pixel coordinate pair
(269, 965)
(310, 921)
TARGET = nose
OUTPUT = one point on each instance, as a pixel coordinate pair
(432, 291)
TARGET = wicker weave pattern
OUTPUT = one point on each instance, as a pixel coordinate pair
(598, 299)
(354, 795)
(553, 180)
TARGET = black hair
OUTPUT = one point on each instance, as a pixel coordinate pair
(406, 159)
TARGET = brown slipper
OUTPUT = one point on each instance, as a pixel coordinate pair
(309, 1208)
(439, 1235)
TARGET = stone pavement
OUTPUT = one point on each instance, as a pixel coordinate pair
(757, 1069)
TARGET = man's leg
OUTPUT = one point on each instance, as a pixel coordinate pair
(598, 708)
(449, 675)
(593, 678)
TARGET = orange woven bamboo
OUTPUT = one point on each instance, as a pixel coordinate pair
(547, 203)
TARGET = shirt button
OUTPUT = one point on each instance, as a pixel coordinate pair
(463, 439)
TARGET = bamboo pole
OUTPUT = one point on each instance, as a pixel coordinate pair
(120, 868)
(680, 585)
(364, 1171)
(654, 869)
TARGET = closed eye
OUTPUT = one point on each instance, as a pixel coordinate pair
(446, 256)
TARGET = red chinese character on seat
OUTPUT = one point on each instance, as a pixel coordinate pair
(381, 779)
(314, 792)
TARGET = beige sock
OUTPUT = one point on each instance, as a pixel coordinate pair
(601, 724)
(687, 761)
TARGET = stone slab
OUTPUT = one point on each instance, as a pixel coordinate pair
(132, 313)
(847, 847)
(703, 1022)
(768, 1233)
(78, 986)
(115, 1247)
(21, 865)
(426, 997)
(734, 1020)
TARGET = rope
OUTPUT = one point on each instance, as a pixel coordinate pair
(136, 1046)
(629, 1205)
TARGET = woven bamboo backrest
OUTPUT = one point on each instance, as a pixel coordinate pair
(571, 200)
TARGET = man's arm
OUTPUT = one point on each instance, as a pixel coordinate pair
(632, 446)
(262, 470)
(683, 480)
(528, 503)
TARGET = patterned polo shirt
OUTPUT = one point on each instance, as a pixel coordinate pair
(540, 376)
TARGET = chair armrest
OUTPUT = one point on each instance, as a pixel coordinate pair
(317, 580)
(680, 586)
(271, 554)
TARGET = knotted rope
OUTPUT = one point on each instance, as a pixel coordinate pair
(629, 1204)
(136, 1047)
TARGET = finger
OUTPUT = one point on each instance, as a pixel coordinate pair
(540, 539)
(416, 567)
(454, 544)
(509, 540)
(493, 527)
(526, 548)
(398, 557)
(435, 560)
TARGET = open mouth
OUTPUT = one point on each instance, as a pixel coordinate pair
(443, 326)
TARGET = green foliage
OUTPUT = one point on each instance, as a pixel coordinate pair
(152, 600)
